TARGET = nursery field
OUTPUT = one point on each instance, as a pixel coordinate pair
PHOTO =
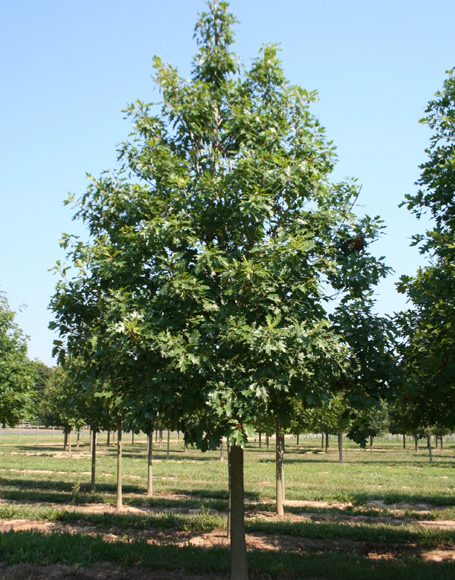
(383, 513)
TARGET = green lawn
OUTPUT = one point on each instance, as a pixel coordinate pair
(376, 515)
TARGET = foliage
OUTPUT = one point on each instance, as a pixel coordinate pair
(16, 371)
(429, 325)
(370, 422)
(58, 407)
(213, 248)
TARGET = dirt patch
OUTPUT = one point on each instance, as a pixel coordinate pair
(448, 525)
(439, 556)
(401, 506)
(318, 504)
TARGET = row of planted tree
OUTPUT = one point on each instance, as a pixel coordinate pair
(225, 284)
(64, 403)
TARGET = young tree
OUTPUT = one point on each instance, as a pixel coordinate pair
(212, 251)
(58, 406)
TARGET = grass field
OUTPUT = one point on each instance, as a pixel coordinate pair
(384, 513)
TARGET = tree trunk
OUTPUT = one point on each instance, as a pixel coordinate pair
(161, 438)
(298, 439)
(132, 438)
(322, 440)
(168, 444)
(93, 474)
(150, 465)
(430, 449)
(239, 565)
(404, 441)
(371, 442)
(416, 443)
(326, 442)
(440, 441)
(119, 500)
(228, 526)
(279, 443)
(108, 441)
(267, 440)
(69, 444)
(221, 449)
(78, 438)
(340, 448)
(260, 439)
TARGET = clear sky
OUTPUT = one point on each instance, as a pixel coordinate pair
(69, 67)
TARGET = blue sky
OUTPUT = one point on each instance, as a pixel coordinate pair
(69, 68)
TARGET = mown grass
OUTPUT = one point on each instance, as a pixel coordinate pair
(81, 550)
(385, 493)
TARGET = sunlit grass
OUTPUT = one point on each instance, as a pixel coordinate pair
(377, 497)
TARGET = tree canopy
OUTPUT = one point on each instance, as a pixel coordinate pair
(16, 371)
(429, 324)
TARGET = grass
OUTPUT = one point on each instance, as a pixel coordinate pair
(78, 550)
(384, 498)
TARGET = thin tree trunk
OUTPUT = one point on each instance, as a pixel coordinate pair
(340, 448)
(404, 441)
(322, 440)
(228, 526)
(371, 442)
(119, 499)
(298, 439)
(78, 438)
(279, 442)
(416, 443)
(108, 441)
(440, 440)
(168, 444)
(267, 440)
(132, 438)
(239, 565)
(430, 449)
(221, 449)
(93, 474)
(161, 438)
(156, 436)
(260, 439)
(150, 464)
(326, 441)
(69, 444)
(65, 440)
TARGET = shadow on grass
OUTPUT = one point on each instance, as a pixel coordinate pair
(78, 550)
(370, 533)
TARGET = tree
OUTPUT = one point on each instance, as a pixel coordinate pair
(58, 406)
(212, 251)
(428, 351)
(16, 371)
(369, 423)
